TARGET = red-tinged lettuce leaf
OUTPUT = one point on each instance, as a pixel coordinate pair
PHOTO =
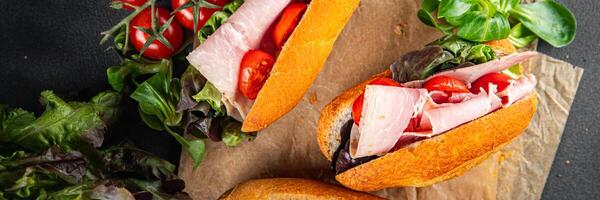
(417, 65)
(191, 83)
(137, 162)
(25, 176)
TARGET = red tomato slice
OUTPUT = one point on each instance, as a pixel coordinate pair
(186, 16)
(499, 79)
(446, 84)
(254, 71)
(358, 103)
(289, 20)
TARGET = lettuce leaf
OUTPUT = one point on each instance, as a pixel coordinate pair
(217, 19)
(212, 96)
(232, 133)
(191, 83)
(24, 175)
(67, 124)
(158, 97)
(118, 75)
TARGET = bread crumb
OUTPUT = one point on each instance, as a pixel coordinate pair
(399, 29)
(568, 162)
(313, 98)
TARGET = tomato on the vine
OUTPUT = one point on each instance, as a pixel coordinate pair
(136, 3)
(254, 71)
(186, 16)
(357, 106)
(156, 50)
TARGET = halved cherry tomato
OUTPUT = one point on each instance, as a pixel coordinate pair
(186, 16)
(289, 20)
(446, 84)
(254, 71)
(358, 103)
(357, 108)
(385, 81)
(499, 79)
(156, 50)
(136, 3)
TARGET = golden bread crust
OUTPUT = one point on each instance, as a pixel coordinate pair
(446, 156)
(292, 188)
(503, 46)
(300, 61)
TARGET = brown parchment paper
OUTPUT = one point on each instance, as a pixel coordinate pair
(378, 33)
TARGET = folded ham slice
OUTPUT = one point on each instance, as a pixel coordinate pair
(518, 89)
(387, 111)
(470, 74)
(439, 119)
(219, 57)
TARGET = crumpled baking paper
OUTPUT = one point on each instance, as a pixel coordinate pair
(379, 32)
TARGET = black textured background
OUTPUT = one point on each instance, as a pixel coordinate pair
(53, 44)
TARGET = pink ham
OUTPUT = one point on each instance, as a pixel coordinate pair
(386, 113)
(470, 74)
(219, 57)
(518, 89)
(439, 119)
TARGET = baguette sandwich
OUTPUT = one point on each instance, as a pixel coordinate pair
(291, 188)
(435, 114)
(268, 53)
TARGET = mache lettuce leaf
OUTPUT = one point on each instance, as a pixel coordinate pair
(130, 69)
(158, 97)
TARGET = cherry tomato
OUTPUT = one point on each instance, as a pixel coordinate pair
(357, 108)
(358, 103)
(289, 20)
(254, 71)
(136, 3)
(446, 84)
(499, 79)
(385, 82)
(186, 16)
(156, 50)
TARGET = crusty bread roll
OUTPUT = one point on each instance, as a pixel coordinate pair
(300, 61)
(291, 188)
(428, 161)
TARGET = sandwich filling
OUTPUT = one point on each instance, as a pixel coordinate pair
(442, 88)
(393, 114)
(238, 57)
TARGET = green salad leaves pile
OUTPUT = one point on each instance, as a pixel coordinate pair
(188, 104)
(487, 20)
(58, 154)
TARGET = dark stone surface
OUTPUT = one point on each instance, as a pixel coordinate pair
(575, 172)
(55, 45)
